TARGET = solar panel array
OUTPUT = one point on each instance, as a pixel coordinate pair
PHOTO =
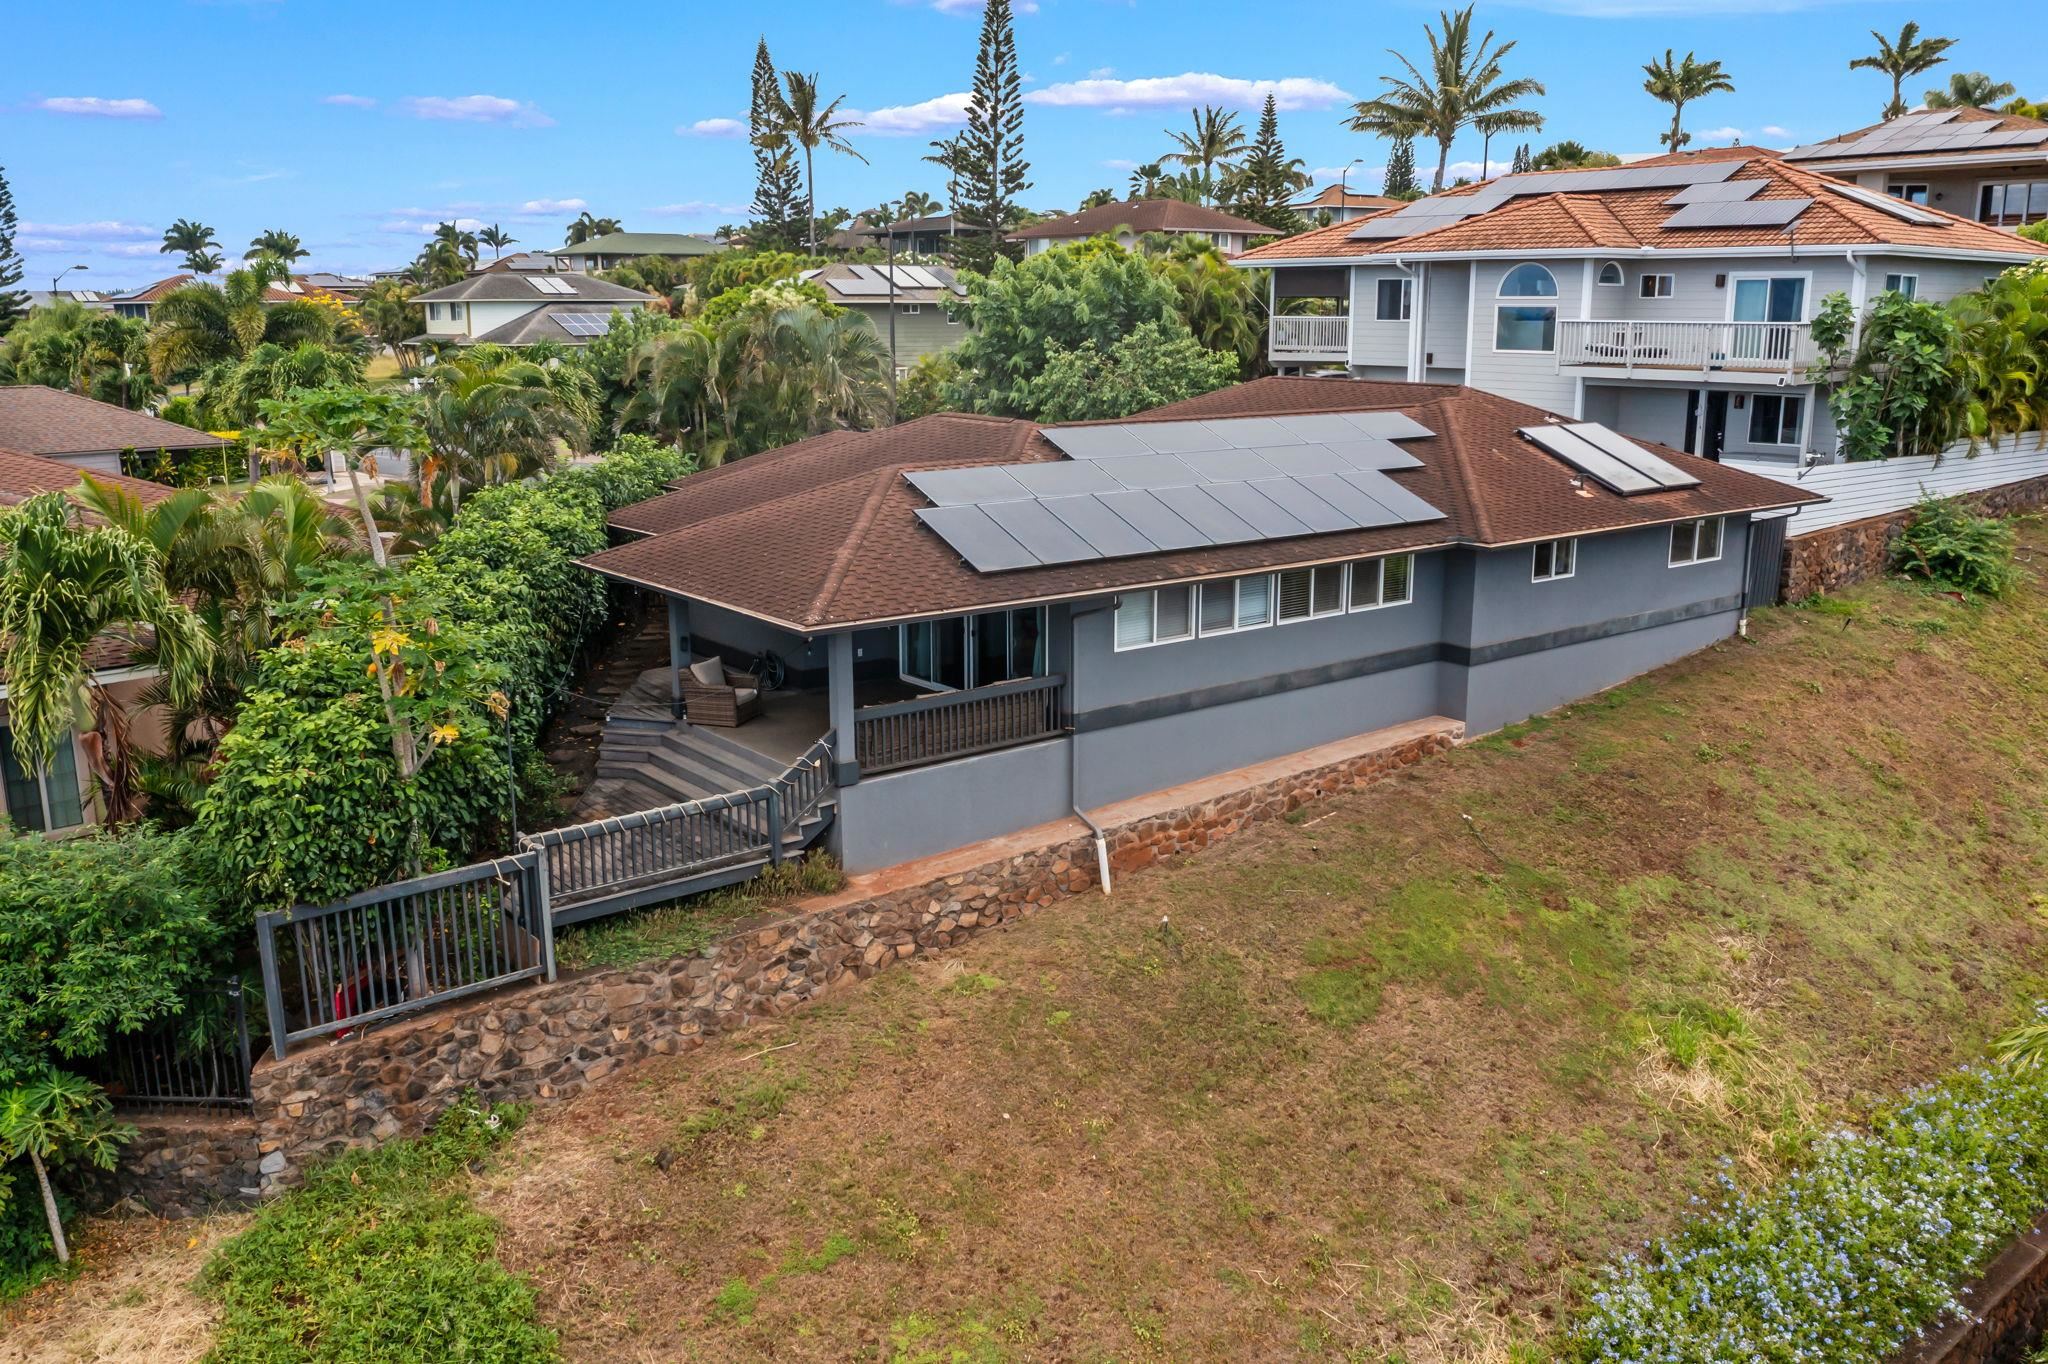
(1931, 131)
(1442, 210)
(584, 324)
(1609, 458)
(1754, 213)
(1154, 487)
(550, 284)
(873, 280)
(1890, 203)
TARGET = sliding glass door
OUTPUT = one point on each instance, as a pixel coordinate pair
(961, 652)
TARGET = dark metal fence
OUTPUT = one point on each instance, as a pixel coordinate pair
(198, 1060)
(804, 787)
(651, 849)
(958, 724)
(398, 948)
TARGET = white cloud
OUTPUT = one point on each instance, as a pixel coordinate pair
(350, 101)
(476, 109)
(549, 208)
(1189, 88)
(1655, 9)
(1730, 135)
(1062, 58)
(93, 106)
(131, 249)
(713, 127)
(421, 227)
(1119, 163)
(1773, 130)
(906, 120)
(104, 230)
(697, 208)
(1101, 73)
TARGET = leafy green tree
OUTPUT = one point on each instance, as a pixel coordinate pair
(63, 585)
(309, 424)
(13, 302)
(1522, 162)
(1151, 366)
(54, 1116)
(1569, 155)
(1463, 82)
(778, 186)
(993, 173)
(495, 237)
(950, 155)
(234, 391)
(1902, 58)
(1400, 179)
(491, 414)
(1214, 142)
(799, 118)
(924, 389)
(1895, 390)
(1679, 83)
(392, 318)
(278, 243)
(2001, 355)
(198, 325)
(1971, 90)
(82, 350)
(188, 238)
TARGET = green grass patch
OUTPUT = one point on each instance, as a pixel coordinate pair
(379, 1257)
(687, 926)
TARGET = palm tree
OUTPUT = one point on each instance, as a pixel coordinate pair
(1506, 121)
(950, 155)
(185, 238)
(63, 585)
(1679, 84)
(918, 204)
(495, 237)
(1911, 55)
(1145, 179)
(492, 415)
(1970, 90)
(1216, 140)
(236, 390)
(276, 242)
(1463, 84)
(460, 238)
(203, 262)
(1570, 155)
(795, 118)
(585, 228)
(392, 317)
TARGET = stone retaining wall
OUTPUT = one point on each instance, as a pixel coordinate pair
(548, 1040)
(2010, 1310)
(184, 1164)
(1844, 555)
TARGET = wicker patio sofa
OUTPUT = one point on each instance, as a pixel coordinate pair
(714, 695)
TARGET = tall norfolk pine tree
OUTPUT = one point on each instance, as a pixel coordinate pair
(1401, 171)
(13, 302)
(993, 169)
(778, 184)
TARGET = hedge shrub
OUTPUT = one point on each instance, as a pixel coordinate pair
(306, 803)
(1847, 1258)
(1951, 546)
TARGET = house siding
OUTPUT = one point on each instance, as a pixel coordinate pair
(1530, 376)
(1447, 312)
(1379, 347)
(926, 332)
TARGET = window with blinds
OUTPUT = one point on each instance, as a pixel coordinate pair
(1159, 616)
(1382, 582)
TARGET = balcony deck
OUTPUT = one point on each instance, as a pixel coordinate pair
(1685, 349)
(1322, 339)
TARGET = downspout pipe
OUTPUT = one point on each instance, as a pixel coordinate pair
(1074, 756)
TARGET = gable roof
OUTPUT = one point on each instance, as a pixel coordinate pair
(835, 278)
(1338, 196)
(848, 548)
(509, 287)
(153, 293)
(1533, 222)
(23, 476)
(642, 244)
(1934, 134)
(49, 421)
(1142, 215)
(936, 222)
(541, 324)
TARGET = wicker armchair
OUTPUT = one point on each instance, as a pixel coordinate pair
(728, 703)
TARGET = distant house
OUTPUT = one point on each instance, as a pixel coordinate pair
(519, 263)
(1341, 204)
(347, 288)
(1129, 219)
(999, 623)
(140, 303)
(84, 433)
(915, 236)
(1975, 163)
(58, 797)
(616, 248)
(89, 298)
(918, 296)
(517, 309)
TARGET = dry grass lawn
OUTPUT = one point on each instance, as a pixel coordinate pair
(1381, 1082)
(131, 1303)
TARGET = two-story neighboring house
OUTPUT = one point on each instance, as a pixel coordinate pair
(916, 294)
(1342, 205)
(614, 249)
(1672, 300)
(1976, 163)
(509, 309)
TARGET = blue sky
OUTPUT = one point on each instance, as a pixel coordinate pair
(359, 125)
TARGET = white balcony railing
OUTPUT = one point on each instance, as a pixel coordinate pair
(1311, 338)
(1739, 347)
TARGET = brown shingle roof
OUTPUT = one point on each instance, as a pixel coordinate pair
(1141, 215)
(48, 421)
(824, 534)
(1631, 220)
(154, 293)
(23, 476)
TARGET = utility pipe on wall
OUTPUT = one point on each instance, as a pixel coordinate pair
(1074, 753)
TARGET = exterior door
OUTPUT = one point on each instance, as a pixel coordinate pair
(1760, 299)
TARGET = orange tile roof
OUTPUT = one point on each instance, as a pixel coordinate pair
(1632, 219)
(1339, 196)
(2009, 122)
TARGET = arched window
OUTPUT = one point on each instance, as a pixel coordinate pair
(1610, 273)
(1526, 326)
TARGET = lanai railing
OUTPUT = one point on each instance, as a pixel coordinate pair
(1704, 347)
(1324, 337)
(959, 724)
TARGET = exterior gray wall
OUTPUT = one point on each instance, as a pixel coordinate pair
(1617, 576)
(901, 816)
(740, 637)
(1940, 280)
(1447, 308)
(1381, 345)
(1499, 694)
(925, 332)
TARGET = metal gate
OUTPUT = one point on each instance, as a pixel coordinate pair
(1766, 560)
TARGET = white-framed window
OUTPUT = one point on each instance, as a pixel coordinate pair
(433, 312)
(1159, 616)
(1526, 326)
(1657, 286)
(912, 309)
(1696, 542)
(1310, 593)
(1393, 299)
(955, 653)
(1912, 194)
(1550, 560)
(1906, 285)
(1236, 604)
(2013, 204)
(1388, 581)
(42, 801)
(1774, 418)
(1610, 274)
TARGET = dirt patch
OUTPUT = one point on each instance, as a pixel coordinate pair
(132, 1303)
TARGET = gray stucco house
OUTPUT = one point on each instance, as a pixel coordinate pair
(999, 624)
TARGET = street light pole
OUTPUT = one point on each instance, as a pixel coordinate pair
(1344, 183)
(59, 276)
(890, 256)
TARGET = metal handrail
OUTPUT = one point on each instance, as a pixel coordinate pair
(949, 725)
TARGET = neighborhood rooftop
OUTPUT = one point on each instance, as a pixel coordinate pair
(507, 287)
(1728, 198)
(24, 475)
(855, 549)
(1934, 134)
(48, 421)
(1142, 215)
(642, 244)
(874, 284)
